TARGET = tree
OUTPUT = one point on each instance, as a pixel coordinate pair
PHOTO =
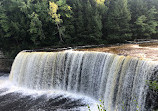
(13, 26)
(92, 23)
(138, 8)
(77, 21)
(152, 27)
(36, 28)
(146, 24)
(118, 21)
(53, 11)
(141, 25)
(28, 24)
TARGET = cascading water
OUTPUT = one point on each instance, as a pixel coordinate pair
(117, 80)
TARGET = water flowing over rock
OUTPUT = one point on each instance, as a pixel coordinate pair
(117, 80)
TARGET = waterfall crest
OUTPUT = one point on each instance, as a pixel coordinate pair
(117, 80)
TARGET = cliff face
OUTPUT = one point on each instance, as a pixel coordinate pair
(5, 64)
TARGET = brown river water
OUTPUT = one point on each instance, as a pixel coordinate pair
(148, 51)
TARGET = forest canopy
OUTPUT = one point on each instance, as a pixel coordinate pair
(29, 24)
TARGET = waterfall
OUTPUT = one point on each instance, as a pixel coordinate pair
(119, 81)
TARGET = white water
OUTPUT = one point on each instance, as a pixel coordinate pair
(8, 89)
(117, 80)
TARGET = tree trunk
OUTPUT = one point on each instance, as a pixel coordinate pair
(60, 35)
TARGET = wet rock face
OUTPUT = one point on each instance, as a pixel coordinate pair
(152, 96)
(5, 64)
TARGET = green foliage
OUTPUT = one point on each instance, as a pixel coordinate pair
(118, 21)
(141, 25)
(36, 28)
(153, 85)
(146, 24)
(144, 18)
(29, 24)
(65, 11)
(101, 106)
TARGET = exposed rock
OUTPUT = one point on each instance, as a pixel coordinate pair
(152, 96)
(5, 64)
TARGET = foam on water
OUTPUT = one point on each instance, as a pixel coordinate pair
(8, 88)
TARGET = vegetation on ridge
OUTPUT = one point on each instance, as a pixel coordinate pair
(29, 24)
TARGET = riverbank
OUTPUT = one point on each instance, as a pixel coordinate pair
(5, 64)
(147, 51)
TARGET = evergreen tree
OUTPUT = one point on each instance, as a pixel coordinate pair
(118, 21)
(146, 24)
(138, 9)
(144, 20)
(78, 22)
(92, 23)
(13, 25)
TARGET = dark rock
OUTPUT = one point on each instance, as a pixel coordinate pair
(5, 64)
(152, 95)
